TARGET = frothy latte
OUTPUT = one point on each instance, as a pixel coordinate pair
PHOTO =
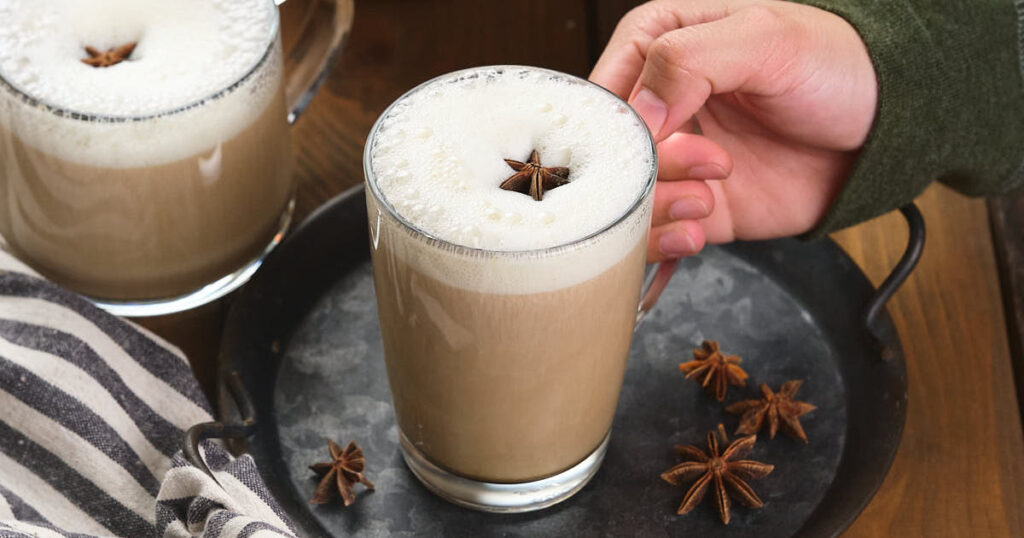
(507, 321)
(152, 177)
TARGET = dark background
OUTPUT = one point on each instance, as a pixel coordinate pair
(396, 44)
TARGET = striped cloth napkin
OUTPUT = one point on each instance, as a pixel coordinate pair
(92, 410)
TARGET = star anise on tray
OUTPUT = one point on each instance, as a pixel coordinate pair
(727, 473)
(340, 474)
(776, 407)
(714, 370)
(110, 57)
(533, 179)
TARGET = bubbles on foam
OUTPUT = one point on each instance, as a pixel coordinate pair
(186, 50)
(224, 44)
(445, 144)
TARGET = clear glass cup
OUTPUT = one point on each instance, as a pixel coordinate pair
(146, 238)
(505, 401)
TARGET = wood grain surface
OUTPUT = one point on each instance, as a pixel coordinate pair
(960, 467)
(1007, 219)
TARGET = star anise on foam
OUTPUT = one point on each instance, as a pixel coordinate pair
(110, 57)
(340, 474)
(533, 179)
(777, 407)
(726, 472)
(714, 370)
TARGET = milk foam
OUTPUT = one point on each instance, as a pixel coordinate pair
(438, 157)
(187, 51)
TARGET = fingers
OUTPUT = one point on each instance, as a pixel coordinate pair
(684, 161)
(690, 156)
(686, 66)
(619, 65)
(623, 58)
(675, 240)
(681, 200)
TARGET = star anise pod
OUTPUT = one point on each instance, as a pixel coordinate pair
(111, 57)
(726, 472)
(714, 370)
(340, 474)
(533, 179)
(776, 407)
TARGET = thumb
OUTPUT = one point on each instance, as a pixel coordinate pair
(684, 67)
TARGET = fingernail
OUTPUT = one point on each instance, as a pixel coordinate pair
(651, 108)
(675, 244)
(706, 171)
(688, 208)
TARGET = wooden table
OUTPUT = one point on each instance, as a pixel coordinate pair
(960, 466)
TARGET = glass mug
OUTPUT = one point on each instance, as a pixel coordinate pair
(505, 401)
(143, 235)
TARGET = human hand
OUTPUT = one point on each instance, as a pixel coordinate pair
(784, 94)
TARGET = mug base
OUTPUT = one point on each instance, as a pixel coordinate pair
(502, 497)
(206, 294)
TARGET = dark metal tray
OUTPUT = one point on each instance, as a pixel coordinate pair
(302, 339)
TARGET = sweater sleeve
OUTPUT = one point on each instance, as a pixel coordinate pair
(950, 102)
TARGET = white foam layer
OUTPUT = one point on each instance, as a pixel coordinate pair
(187, 51)
(505, 273)
(438, 159)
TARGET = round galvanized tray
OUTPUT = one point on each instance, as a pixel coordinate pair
(302, 355)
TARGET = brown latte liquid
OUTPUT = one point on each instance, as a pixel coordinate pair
(149, 232)
(506, 388)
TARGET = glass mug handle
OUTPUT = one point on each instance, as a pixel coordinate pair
(654, 284)
(319, 28)
(660, 273)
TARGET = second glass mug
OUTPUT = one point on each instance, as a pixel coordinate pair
(153, 238)
(504, 401)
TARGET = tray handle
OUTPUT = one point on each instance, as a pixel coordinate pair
(220, 430)
(899, 274)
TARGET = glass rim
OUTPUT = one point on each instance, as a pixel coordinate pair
(382, 200)
(65, 112)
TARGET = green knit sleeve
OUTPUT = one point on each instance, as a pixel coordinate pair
(950, 103)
